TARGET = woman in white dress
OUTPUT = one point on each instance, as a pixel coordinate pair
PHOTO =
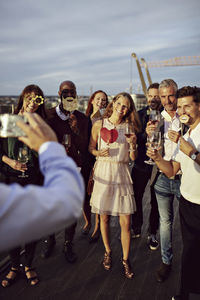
(113, 191)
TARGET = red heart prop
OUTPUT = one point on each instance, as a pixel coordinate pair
(109, 136)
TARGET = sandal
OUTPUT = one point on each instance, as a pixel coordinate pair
(127, 269)
(31, 279)
(107, 261)
(10, 281)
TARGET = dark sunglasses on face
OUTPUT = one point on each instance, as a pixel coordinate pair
(66, 92)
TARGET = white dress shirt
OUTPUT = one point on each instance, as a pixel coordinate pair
(190, 181)
(170, 124)
(31, 212)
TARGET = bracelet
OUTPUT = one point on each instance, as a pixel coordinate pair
(132, 150)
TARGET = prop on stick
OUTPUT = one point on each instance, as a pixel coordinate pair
(109, 136)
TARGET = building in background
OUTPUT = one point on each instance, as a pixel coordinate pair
(52, 101)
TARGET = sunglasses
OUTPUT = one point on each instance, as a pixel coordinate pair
(65, 93)
(37, 100)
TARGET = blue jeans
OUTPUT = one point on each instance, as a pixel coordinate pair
(166, 189)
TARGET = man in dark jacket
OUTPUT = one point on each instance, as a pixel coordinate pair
(141, 173)
(66, 119)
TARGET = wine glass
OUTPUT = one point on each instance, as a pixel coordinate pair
(129, 130)
(154, 141)
(154, 116)
(23, 158)
(66, 141)
(102, 110)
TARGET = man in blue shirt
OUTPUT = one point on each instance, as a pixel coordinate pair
(28, 213)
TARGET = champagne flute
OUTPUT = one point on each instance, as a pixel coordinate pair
(154, 116)
(66, 142)
(23, 158)
(154, 141)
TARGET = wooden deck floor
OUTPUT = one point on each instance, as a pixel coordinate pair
(87, 280)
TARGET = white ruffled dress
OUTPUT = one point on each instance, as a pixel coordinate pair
(113, 191)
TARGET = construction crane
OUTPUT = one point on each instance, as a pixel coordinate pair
(144, 87)
(172, 62)
(146, 69)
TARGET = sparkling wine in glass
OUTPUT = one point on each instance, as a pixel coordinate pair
(66, 142)
(154, 141)
(23, 158)
(154, 116)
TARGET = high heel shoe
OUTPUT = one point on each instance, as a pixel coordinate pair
(8, 281)
(31, 276)
(94, 238)
(127, 269)
(107, 261)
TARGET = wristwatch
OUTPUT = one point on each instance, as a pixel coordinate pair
(194, 155)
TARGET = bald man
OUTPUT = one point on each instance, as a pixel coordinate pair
(66, 119)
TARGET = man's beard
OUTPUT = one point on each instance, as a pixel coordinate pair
(69, 103)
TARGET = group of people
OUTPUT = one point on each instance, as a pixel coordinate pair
(103, 141)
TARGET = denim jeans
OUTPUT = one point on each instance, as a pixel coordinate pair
(166, 189)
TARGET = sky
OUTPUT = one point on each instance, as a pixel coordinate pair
(90, 43)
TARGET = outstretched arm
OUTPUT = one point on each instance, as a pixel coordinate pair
(31, 212)
(170, 168)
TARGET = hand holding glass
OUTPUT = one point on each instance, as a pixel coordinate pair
(129, 130)
(154, 142)
(66, 141)
(154, 117)
(23, 158)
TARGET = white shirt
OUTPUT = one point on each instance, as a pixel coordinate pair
(170, 124)
(61, 115)
(31, 212)
(190, 181)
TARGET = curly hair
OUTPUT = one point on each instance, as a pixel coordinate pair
(27, 90)
(131, 116)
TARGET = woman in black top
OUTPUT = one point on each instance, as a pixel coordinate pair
(23, 172)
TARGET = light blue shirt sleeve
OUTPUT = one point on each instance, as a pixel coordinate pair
(31, 212)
